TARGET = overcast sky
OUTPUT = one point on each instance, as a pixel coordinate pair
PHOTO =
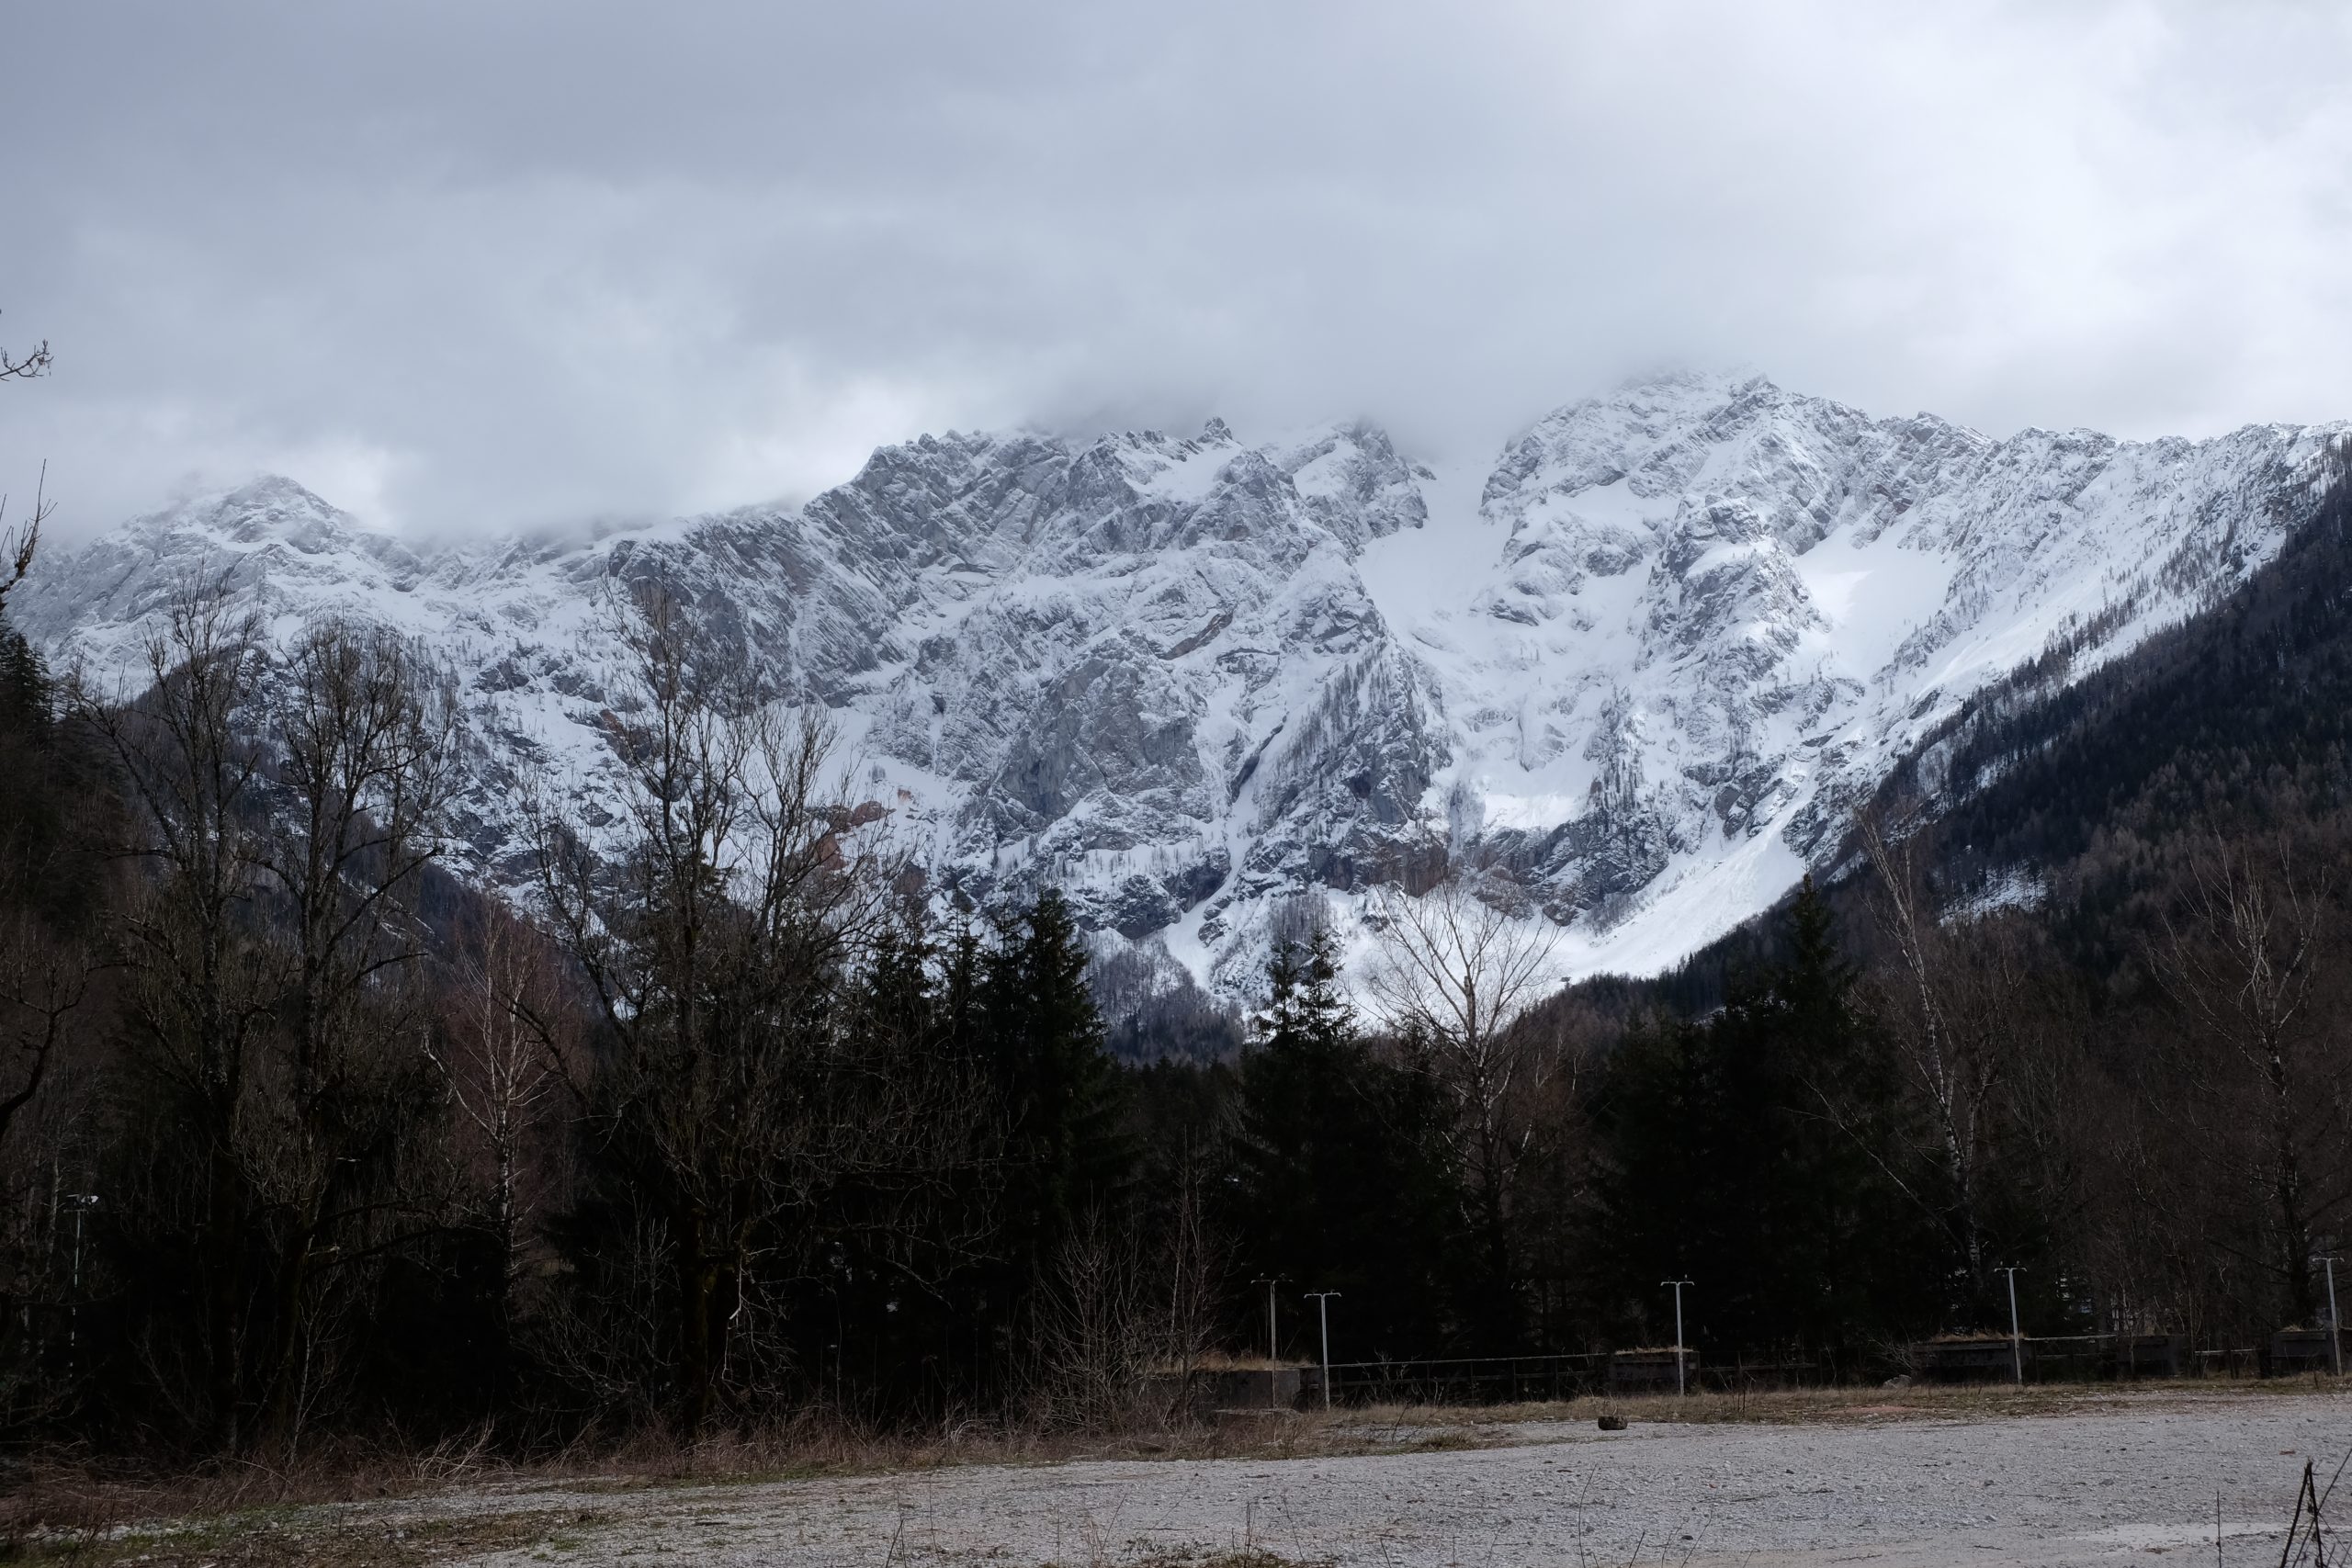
(496, 263)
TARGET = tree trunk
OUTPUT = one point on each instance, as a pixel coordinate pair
(698, 1286)
(2294, 1237)
(504, 1218)
(281, 1393)
(223, 1247)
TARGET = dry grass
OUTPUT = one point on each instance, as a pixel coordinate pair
(80, 1511)
(1931, 1401)
(1246, 1557)
(85, 1512)
(1225, 1362)
(305, 1538)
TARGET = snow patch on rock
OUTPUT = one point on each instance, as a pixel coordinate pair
(1649, 658)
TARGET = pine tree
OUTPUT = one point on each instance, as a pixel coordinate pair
(23, 683)
(1851, 1255)
(1055, 1083)
(1337, 1183)
(1750, 1154)
(898, 1002)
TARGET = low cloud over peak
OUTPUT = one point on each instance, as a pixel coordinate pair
(461, 267)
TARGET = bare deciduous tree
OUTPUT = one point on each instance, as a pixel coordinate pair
(1452, 974)
(43, 983)
(36, 363)
(202, 990)
(492, 1053)
(2238, 958)
(16, 545)
(286, 812)
(362, 737)
(713, 944)
(1125, 1317)
(1952, 1011)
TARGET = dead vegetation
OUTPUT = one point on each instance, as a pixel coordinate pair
(347, 1507)
(1928, 1402)
(328, 1509)
(311, 1538)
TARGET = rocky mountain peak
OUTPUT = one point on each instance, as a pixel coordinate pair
(1645, 661)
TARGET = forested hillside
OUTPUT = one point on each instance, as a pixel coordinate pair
(2099, 924)
(300, 1137)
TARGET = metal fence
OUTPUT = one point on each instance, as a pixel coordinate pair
(1469, 1380)
(2071, 1357)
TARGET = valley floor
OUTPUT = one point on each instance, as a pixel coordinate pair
(1902, 1479)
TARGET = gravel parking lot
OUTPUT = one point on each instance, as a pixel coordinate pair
(2126, 1481)
(2039, 1477)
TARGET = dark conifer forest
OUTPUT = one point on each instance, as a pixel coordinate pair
(301, 1138)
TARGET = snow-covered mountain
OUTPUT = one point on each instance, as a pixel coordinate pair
(1648, 661)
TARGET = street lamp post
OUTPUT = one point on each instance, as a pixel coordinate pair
(2334, 1328)
(1680, 1386)
(82, 1204)
(1269, 1281)
(2017, 1339)
(1323, 1309)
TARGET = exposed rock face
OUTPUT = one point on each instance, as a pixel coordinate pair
(1650, 659)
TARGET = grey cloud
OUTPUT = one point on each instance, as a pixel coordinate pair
(475, 266)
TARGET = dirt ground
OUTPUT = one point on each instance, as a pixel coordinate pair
(2091, 1480)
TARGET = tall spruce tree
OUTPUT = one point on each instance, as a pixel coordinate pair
(1337, 1183)
(1058, 1092)
(1750, 1154)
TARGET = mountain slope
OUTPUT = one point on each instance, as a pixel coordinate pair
(2081, 796)
(2069, 788)
(1649, 660)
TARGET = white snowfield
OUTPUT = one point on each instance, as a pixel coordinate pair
(2098, 1489)
(1650, 659)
